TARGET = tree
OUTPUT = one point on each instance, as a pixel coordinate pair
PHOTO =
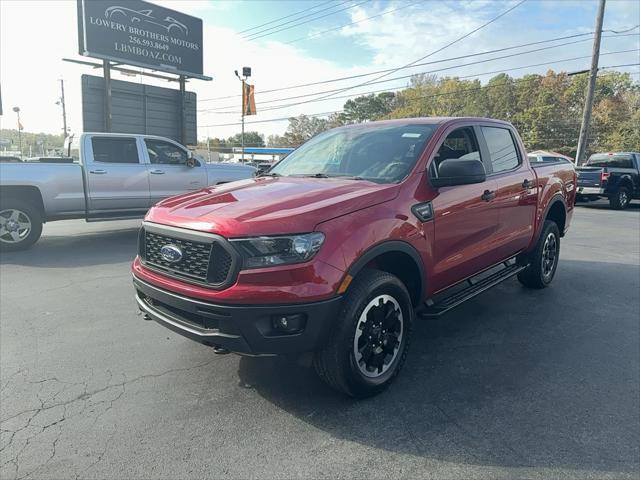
(277, 141)
(303, 128)
(368, 107)
(251, 139)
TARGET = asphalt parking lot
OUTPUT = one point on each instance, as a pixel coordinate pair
(516, 383)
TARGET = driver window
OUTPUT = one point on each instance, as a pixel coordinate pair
(165, 153)
(460, 144)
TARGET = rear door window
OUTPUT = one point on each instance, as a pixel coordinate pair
(613, 160)
(115, 150)
(502, 149)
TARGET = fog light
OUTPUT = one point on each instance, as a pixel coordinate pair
(292, 323)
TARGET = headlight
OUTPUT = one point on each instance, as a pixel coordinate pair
(269, 251)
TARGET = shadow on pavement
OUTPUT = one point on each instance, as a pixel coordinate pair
(77, 250)
(604, 205)
(514, 378)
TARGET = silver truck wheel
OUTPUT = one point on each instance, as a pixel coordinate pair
(20, 225)
(15, 225)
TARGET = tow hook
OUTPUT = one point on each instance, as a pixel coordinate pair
(219, 350)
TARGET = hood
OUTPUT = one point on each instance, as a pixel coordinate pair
(269, 206)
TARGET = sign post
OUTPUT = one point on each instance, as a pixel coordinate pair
(106, 66)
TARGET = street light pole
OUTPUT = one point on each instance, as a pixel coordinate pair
(246, 73)
(588, 104)
(17, 110)
(64, 108)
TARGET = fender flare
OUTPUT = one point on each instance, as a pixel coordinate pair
(626, 180)
(386, 247)
(557, 197)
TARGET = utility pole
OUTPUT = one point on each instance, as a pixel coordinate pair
(588, 104)
(64, 108)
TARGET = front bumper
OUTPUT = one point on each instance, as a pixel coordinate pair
(242, 329)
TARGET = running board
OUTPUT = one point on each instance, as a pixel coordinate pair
(474, 288)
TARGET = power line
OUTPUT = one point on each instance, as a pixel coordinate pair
(309, 37)
(411, 75)
(276, 107)
(264, 31)
(438, 50)
(254, 37)
(282, 18)
(412, 100)
(332, 80)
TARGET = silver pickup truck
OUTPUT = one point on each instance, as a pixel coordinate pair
(107, 176)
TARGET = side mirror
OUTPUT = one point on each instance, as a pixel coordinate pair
(191, 161)
(459, 172)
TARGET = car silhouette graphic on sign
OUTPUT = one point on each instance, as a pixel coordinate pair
(136, 16)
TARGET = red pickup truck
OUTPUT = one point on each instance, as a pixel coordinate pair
(344, 242)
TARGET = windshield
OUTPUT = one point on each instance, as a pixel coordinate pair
(383, 154)
(613, 160)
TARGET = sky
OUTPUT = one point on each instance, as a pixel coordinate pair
(337, 39)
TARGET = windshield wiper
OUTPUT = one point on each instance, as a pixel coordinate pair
(269, 174)
(337, 175)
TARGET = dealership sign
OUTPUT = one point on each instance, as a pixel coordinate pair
(140, 33)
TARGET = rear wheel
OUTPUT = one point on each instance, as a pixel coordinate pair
(20, 225)
(543, 260)
(620, 199)
(368, 345)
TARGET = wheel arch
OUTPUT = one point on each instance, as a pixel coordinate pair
(627, 182)
(557, 211)
(397, 258)
(26, 193)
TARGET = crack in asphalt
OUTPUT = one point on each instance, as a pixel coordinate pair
(84, 397)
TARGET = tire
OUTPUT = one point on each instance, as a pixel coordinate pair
(20, 224)
(371, 295)
(540, 272)
(621, 199)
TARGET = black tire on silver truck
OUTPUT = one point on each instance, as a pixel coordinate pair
(20, 224)
(543, 260)
(369, 343)
(620, 199)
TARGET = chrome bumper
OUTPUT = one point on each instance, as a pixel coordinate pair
(590, 191)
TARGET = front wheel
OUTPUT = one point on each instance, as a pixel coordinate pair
(369, 342)
(20, 225)
(620, 200)
(543, 260)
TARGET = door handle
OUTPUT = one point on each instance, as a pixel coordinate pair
(527, 183)
(488, 195)
(98, 172)
(157, 172)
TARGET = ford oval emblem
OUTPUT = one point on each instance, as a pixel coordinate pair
(171, 253)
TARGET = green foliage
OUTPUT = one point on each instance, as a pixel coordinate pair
(37, 142)
(368, 107)
(546, 109)
(303, 128)
(276, 141)
(251, 139)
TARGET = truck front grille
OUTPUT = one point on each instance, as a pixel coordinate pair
(206, 259)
